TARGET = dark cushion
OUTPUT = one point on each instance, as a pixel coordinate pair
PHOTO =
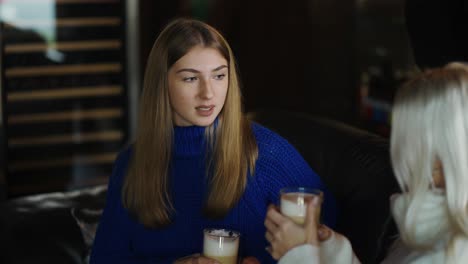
(354, 165)
(41, 228)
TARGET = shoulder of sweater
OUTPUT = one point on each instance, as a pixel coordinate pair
(267, 137)
(272, 146)
(124, 155)
(275, 154)
(121, 164)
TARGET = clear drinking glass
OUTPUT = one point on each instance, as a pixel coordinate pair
(221, 244)
(294, 202)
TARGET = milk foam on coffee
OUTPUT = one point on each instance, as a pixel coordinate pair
(220, 242)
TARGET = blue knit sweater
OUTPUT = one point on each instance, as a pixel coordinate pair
(122, 239)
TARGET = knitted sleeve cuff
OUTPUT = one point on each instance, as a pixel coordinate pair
(303, 254)
(337, 249)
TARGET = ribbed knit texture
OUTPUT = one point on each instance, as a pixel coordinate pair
(121, 239)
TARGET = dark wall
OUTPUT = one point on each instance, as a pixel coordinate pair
(298, 55)
(3, 185)
(153, 15)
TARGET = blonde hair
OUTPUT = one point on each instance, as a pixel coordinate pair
(430, 122)
(232, 144)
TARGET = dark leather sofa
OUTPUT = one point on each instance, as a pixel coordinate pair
(354, 164)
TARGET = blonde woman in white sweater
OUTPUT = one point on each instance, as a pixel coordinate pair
(429, 153)
(311, 243)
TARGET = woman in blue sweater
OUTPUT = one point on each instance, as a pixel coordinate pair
(197, 162)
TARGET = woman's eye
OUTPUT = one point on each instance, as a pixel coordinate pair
(220, 76)
(190, 79)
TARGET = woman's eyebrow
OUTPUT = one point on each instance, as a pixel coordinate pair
(196, 71)
(187, 70)
(219, 68)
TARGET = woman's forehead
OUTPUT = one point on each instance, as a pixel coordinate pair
(201, 59)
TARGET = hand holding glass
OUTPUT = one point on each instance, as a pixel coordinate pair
(294, 202)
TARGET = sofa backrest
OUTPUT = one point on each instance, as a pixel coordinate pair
(354, 165)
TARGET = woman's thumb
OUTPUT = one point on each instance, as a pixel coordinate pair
(312, 220)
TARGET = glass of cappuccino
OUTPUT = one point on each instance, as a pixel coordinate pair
(221, 245)
(294, 202)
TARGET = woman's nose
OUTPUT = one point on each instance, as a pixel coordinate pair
(206, 89)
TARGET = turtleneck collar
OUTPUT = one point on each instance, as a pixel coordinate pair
(189, 140)
(432, 226)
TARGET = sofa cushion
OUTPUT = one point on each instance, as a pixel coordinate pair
(41, 229)
(88, 221)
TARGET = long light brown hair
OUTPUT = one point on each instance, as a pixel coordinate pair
(232, 144)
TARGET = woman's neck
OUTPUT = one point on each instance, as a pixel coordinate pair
(189, 140)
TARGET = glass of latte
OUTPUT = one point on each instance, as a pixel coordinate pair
(294, 202)
(221, 245)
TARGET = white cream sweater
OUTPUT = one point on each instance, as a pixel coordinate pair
(337, 249)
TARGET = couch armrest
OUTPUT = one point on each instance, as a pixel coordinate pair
(40, 228)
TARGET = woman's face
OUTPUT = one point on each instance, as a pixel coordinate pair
(438, 174)
(198, 84)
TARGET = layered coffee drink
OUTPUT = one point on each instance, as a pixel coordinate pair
(221, 245)
(294, 203)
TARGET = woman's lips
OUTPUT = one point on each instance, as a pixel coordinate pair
(205, 110)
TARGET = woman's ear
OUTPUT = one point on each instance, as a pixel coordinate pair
(438, 177)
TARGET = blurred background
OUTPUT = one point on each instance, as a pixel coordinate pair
(71, 72)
